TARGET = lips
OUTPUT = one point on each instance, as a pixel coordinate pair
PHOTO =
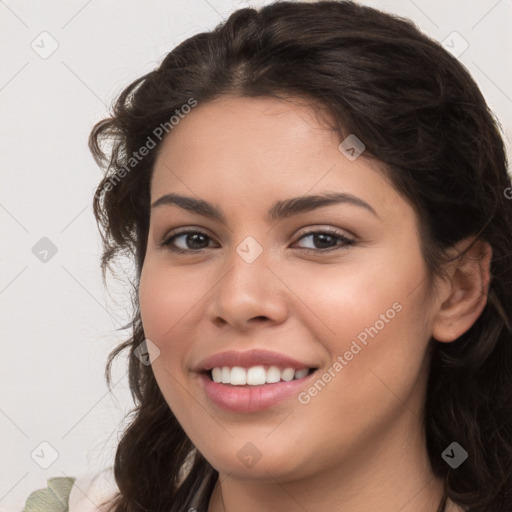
(237, 397)
(251, 399)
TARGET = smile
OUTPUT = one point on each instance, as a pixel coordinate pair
(252, 398)
(256, 375)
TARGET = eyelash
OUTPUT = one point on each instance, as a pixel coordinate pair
(346, 241)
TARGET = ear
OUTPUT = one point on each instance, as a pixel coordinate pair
(463, 295)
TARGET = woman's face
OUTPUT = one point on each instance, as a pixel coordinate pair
(257, 279)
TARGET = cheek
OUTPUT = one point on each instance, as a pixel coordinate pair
(164, 303)
(166, 297)
(343, 301)
(375, 318)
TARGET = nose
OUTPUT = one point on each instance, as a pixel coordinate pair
(248, 294)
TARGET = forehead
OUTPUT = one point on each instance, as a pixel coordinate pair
(240, 127)
(262, 147)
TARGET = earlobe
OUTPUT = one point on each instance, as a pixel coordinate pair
(467, 292)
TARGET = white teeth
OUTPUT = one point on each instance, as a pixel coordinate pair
(255, 375)
(273, 375)
(287, 374)
(299, 374)
(226, 375)
(238, 376)
(217, 375)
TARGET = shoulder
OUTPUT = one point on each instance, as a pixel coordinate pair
(90, 492)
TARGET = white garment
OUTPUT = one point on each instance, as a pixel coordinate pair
(91, 490)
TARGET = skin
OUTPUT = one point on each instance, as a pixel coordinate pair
(358, 443)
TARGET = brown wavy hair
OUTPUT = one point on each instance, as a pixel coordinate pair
(417, 109)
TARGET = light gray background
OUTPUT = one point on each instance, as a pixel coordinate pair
(57, 321)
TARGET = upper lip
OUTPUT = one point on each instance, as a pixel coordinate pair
(249, 358)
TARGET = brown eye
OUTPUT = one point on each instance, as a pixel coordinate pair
(327, 240)
(191, 241)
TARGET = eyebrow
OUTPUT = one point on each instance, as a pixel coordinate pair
(279, 210)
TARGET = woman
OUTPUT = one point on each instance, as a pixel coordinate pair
(315, 197)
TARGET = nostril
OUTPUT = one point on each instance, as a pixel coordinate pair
(260, 318)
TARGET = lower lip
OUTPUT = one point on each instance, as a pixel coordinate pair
(251, 398)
